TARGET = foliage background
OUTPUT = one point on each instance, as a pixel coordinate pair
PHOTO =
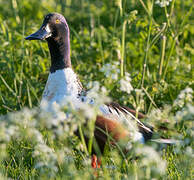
(98, 42)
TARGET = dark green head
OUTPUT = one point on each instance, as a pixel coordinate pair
(55, 31)
(54, 26)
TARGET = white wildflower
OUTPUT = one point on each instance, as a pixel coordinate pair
(189, 151)
(190, 109)
(96, 95)
(11, 131)
(151, 158)
(114, 76)
(139, 91)
(38, 136)
(125, 84)
(4, 136)
(163, 3)
(46, 158)
(42, 149)
(185, 96)
(161, 115)
(111, 70)
(187, 113)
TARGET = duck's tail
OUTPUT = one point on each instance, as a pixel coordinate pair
(166, 141)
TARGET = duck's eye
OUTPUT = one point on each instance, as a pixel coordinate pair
(57, 21)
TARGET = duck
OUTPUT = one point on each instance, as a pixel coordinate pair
(63, 82)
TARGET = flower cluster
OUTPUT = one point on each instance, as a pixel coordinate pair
(185, 96)
(111, 70)
(125, 84)
(163, 3)
(151, 159)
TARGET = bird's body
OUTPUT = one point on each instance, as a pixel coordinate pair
(63, 83)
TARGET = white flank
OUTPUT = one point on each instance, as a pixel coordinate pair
(60, 85)
(138, 137)
(126, 120)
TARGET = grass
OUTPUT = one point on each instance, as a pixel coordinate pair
(110, 41)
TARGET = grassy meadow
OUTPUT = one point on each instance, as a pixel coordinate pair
(139, 53)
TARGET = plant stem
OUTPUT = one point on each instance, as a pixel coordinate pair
(146, 54)
(123, 48)
(144, 6)
(162, 55)
(154, 40)
(168, 20)
(169, 56)
(147, 10)
(172, 8)
(91, 135)
(152, 101)
(82, 139)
